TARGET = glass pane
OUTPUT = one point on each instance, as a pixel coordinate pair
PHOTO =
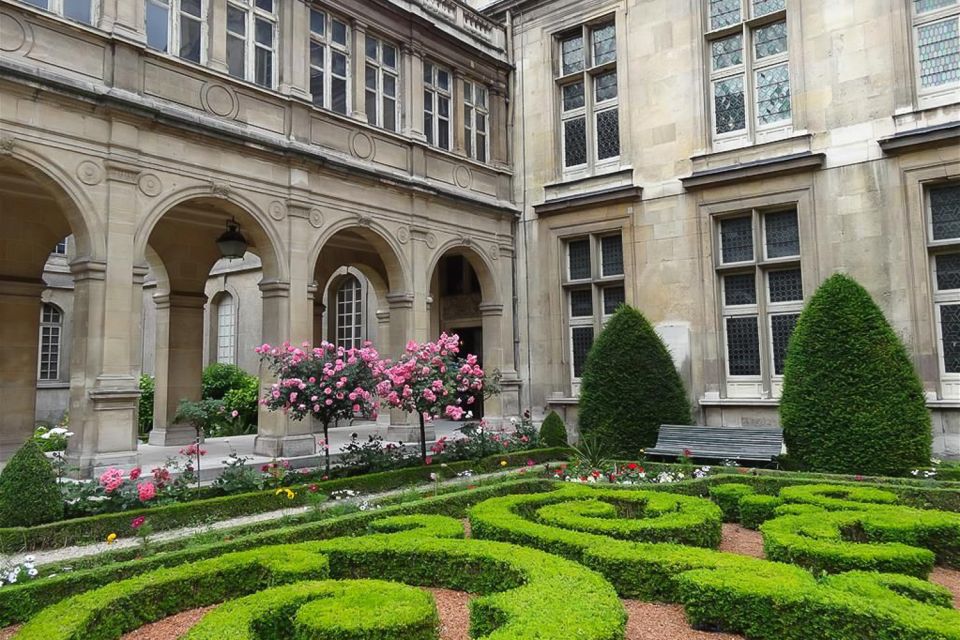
(189, 39)
(389, 86)
(782, 234)
(578, 253)
(316, 54)
(781, 328)
(604, 44)
(481, 100)
(339, 32)
(266, 5)
(724, 12)
(236, 60)
(608, 134)
(372, 45)
(605, 86)
(573, 96)
(339, 64)
(443, 107)
(370, 77)
(739, 289)
(613, 297)
(338, 94)
(728, 105)
(264, 68)
(428, 126)
(79, 10)
(318, 22)
(743, 346)
(771, 39)
(389, 56)
(571, 53)
(443, 133)
(370, 102)
(939, 52)
(736, 239)
(264, 32)
(43, 4)
(481, 147)
(945, 211)
(236, 20)
(582, 340)
(581, 303)
(443, 79)
(763, 7)
(773, 94)
(611, 255)
(316, 86)
(157, 23)
(948, 271)
(923, 6)
(389, 113)
(727, 52)
(785, 286)
(575, 142)
(950, 335)
(191, 7)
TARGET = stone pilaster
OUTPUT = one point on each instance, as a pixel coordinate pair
(295, 36)
(412, 80)
(19, 331)
(358, 106)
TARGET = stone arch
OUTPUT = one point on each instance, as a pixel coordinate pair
(396, 276)
(481, 263)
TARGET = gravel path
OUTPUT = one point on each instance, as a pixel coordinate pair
(168, 628)
(453, 608)
(740, 540)
(949, 578)
(648, 621)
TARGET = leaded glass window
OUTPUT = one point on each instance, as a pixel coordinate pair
(51, 330)
(588, 96)
(329, 56)
(947, 266)
(945, 211)
(936, 35)
(594, 288)
(925, 6)
(763, 250)
(950, 337)
(943, 214)
(749, 71)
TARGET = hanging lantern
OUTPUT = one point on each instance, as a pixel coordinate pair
(231, 242)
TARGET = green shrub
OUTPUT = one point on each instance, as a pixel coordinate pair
(29, 494)
(727, 497)
(838, 497)
(852, 402)
(553, 433)
(218, 378)
(757, 509)
(630, 386)
(145, 404)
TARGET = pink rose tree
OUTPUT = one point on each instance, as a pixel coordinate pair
(327, 382)
(431, 380)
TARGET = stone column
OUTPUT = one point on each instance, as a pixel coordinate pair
(459, 137)
(412, 91)
(218, 35)
(358, 59)
(19, 332)
(295, 49)
(498, 339)
(179, 364)
(401, 317)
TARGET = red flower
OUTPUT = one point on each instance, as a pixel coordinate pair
(428, 460)
(688, 453)
(137, 522)
(135, 473)
(632, 466)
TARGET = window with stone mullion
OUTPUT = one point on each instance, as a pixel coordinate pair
(476, 118)
(329, 62)
(177, 27)
(252, 41)
(943, 238)
(748, 61)
(936, 34)
(381, 83)
(437, 101)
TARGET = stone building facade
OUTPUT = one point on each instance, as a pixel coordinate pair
(712, 161)
(336, 137)
(510, 169)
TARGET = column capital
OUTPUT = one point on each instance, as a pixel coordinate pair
(490, 309)
(400, 300)
(186, 300)
(274, 289)
(86, 268)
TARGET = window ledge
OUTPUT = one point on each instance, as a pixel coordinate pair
(751, 170)
(739, 402)
(600, 197)
(933, 136)
(52, 384)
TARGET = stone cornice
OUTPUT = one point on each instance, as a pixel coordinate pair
(924, 137)
(742, 172)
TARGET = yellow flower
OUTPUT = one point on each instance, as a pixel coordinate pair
(290, 494)
(278, 491)
(111, 538)
(503, 463)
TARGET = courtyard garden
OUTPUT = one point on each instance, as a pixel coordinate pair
(518, 532)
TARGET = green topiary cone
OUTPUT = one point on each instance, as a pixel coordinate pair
(29, 494)
(852, 402)
(553, 433)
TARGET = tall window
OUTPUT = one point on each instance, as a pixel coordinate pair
(476, 116)
(177, 26)
(226, 329)
(943, 233)
(587, 85)
(594, 287)
(51, 330)
(79, 10)
(749, 68)
(761, 285)
(252, 40)
(436, 105)
(381, 80)
(936, 34)
(329, 57)
(349, 314)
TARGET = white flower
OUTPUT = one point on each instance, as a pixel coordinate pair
(68, 434)
(58, 431)
(30, 559)
(46, 436)
(32, 573)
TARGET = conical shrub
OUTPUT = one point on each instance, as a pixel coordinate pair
(553, 433)
(29, 494)
(852, 401)
(630, 386)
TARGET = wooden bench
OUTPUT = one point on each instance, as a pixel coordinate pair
(755, 444)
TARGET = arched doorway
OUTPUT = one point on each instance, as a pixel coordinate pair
(36, 216)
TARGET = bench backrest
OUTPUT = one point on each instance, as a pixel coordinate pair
(763, 442)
